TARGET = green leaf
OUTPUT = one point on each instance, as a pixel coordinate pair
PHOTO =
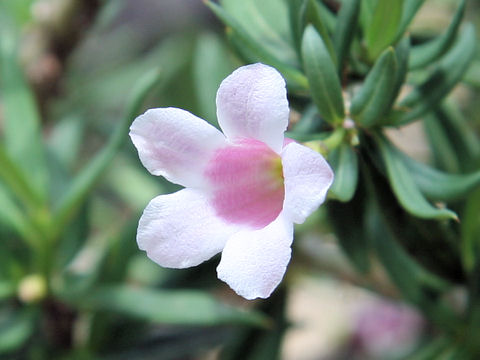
(455, 147)
(12, 216)
(470, 232)
(22, 133)
(313, 15)
(438, 185)
(374, 98)
(402, 51)
(383, 28)
(15, 329)
(424, 54)
(348, 221)
(173, 307)
(86, 180)
(344, 163)
(7, 289)
(267, 22)
(211, 64)
(406, 191)
(447, 74)
(410, 9)
(345, 30)
(247, 43)
(17, 183)
(322, 76)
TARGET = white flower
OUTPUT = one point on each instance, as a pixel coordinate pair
(244, 190)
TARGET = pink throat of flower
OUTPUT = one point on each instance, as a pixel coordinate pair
(247, 182)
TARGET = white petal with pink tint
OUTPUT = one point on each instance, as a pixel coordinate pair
(180, 230)
(253, 262)
(246, 182)
(252, 103)
(175, 144)
(307, 178)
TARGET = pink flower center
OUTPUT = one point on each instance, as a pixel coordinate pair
(247, 182)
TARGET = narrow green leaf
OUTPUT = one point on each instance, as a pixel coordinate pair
(345, 30)
(174, 307)
(384, 26)
(322, 76)
(23, 139)
(344, 163)
(313, 15)
(295, 14)
(85, 181)
(437, 185)
(410, 9)
(247, 43)
(425, 54)
(211, 64)
(470, 232)
(267, 22)
(448, 73)
(402, 52)
(462, 141)
(472, 76)
(13, 217)
(374, 98)
(15, 330)
(16, 181)
(348, 221)
(406, 191)
(443, 153)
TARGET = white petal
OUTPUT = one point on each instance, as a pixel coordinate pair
(254, 262)
(252, 103)
(180, 230)
(307, 178)
(175, 144)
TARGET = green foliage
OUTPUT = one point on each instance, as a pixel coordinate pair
(71, 191)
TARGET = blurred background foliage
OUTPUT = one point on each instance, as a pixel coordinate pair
(389, 268)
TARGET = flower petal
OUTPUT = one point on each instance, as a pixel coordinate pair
(246, 183)
(175, 144)
(307, 179)
(180, 230)
(254, 262)
(252, 103)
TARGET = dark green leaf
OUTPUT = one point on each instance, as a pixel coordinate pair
(175, 307)
(470, 230)
(345, 30)
(406, 191)
(248, 43)
(447, 74)
(425, 54)
(374, 98)
(348, 221)
(438, 185)
(322, 76)
(345, 167)
(383, 28)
